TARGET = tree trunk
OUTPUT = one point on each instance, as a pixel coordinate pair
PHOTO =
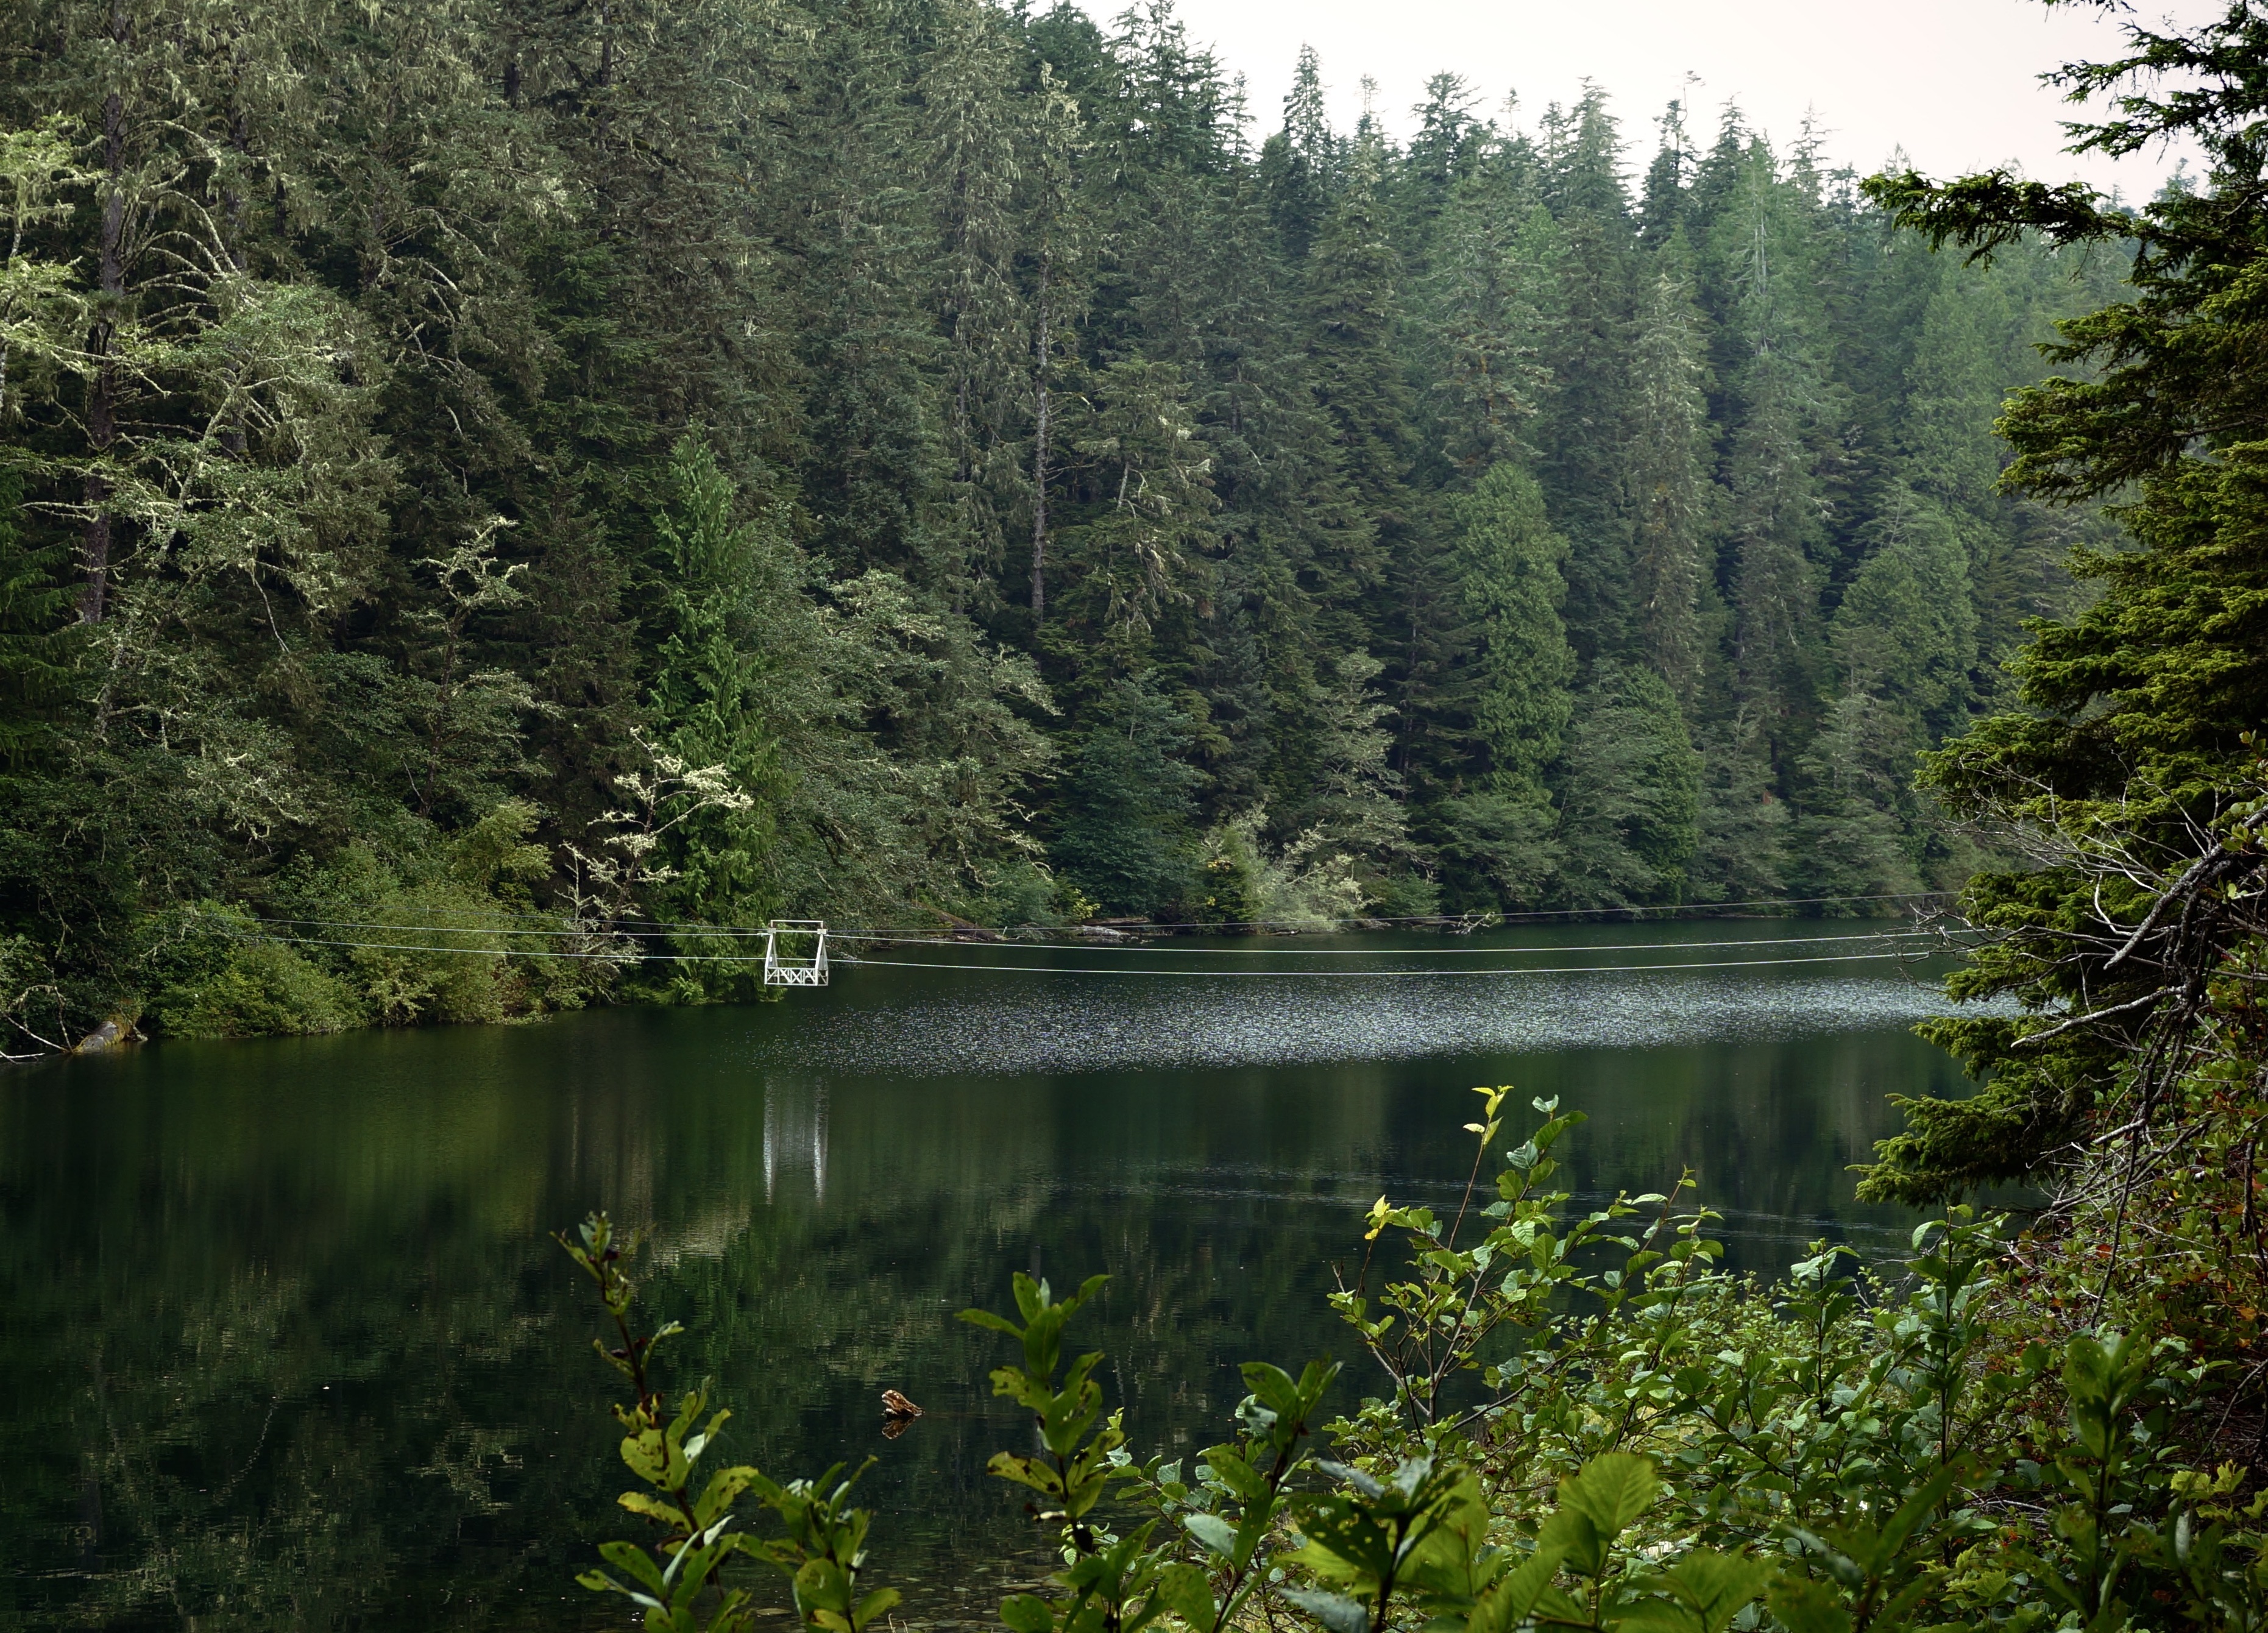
(102, 393)
(1041, 349)
(239, 138)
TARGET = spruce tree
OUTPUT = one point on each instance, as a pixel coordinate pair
(1588, 355)
(1671, 501)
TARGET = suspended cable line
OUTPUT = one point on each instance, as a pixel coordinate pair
(933, 940)
(1377, 975)
(624, 957)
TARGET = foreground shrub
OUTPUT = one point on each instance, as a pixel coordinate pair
(1583, 1422)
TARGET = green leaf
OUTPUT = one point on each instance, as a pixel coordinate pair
(652, 1507)
(1612, 1490)
(1569, 1536)
(1272, 1387)
(1028, 1471)
(820, 1585)
(1909, 1518)
(996, 1323)
(1508, 1601)
(630, 1557)
(1803, 1606)
(1654, 1616)
(1716, 1586)
(1335, 1611)
(1187, 1592)
(1241, 1477)
(1555, 1604)
(1214, 1532)
(1027, 1613)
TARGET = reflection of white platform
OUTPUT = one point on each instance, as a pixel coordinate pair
(795, 1136)
(796, 972)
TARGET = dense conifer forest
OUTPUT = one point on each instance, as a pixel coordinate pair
(888, 460)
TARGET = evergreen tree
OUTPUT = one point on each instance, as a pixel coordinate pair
(1299, 166)
(428, 417)
(1350, 280)
(1666, 468)
(1125, 835)
(1631, 808)
(1508, 565)
(36, 668)
(1588, 355)
(726, 681)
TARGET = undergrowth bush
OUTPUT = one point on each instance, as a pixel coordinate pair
(1580, 1421)
(258, 990)
(436, 934)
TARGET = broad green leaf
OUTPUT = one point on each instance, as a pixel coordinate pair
(630, 1557)
(652, 1507)
(1041, 1477)
(1571, 1537)
(1026, 1613)
(1187, 1592)
(1233, 1472)
(1803, 1606)
(1654, 1616)
(1612, 1490)
(1716, 1586)
(1214, 1532)
(1555, 1604)
(1508, 1601)
(820, 1585)
(1335, 1611)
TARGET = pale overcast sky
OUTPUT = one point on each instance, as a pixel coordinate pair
(1954, 81)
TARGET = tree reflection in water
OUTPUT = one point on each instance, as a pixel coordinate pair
(292, 1347)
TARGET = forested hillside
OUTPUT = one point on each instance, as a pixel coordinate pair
(702, 461)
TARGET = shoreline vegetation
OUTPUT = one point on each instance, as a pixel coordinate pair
(1568, 1420)
(680, 464)
(717, 463)
(287, 977)
(1579, 1421)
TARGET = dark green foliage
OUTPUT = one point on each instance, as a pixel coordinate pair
(1631, 803)
(36, 675)
(1125, 837)
(2130, 762)
(731, 667)
(772, 442)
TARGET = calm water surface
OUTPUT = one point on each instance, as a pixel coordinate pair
(287, 1345)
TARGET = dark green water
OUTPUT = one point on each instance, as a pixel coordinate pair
(287, 1346)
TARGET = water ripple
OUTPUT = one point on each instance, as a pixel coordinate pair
(996, 1026)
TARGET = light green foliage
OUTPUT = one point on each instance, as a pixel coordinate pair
(822, 1547)
(1508, 563)
(1587, 1424)
(262, 990)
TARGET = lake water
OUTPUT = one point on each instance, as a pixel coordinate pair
(287, 1345)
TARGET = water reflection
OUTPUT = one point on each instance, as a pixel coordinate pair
(795, 1133)
(302, 1353)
